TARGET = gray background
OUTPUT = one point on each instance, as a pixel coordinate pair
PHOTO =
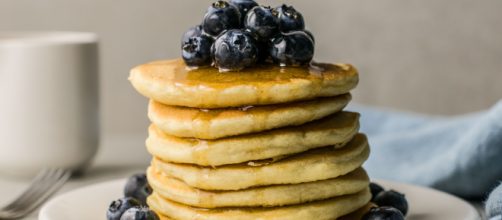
(438, 57)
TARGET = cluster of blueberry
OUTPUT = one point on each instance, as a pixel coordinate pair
(133, 205)
(392, 205)
(237, 34)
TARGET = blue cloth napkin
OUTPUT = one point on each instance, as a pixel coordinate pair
(461, 155)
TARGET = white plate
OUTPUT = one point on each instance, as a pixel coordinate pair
(92, 201)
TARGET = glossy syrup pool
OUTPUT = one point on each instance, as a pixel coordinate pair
(178, 72)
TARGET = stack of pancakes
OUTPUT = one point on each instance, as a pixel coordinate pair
(264, 143)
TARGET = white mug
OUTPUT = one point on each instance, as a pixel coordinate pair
(48, 101)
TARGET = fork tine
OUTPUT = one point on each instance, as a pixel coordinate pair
(44, 193)
(61, 179)
(40, 187)
(33, 187)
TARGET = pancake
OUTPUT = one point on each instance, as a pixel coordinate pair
(318, 164)
(171, 83)
(335, 130)
(266, 196)
(217, 123)
(320, 210)
(356, 215)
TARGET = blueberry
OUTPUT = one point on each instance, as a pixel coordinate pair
(375, 189)
(263, 22)
(221, 16)
(196, 50)
(294, 48)
(393, 199)
(191, 32)
(234, 50)
(310, 35)
(244, 6)
(383, 213)
(139, 213)
(289, 19)
(263, 52)
(137, 187)
(119, 206)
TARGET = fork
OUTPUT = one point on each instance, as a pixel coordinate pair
(43, 186)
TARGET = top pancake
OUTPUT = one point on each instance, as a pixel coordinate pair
(170, 82)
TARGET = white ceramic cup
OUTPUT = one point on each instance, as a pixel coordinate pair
(48, 101)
